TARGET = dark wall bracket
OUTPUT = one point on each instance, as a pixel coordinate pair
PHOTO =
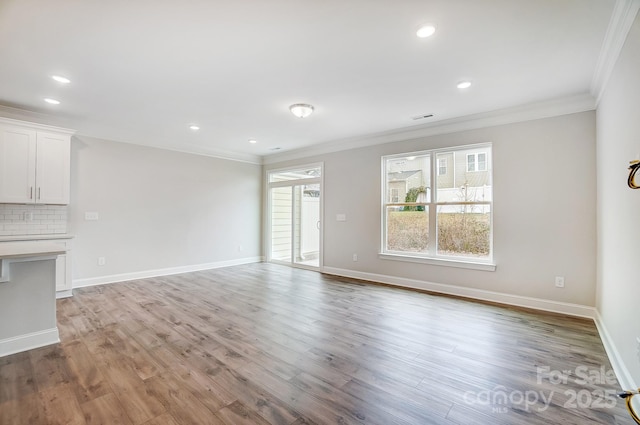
(633, 167)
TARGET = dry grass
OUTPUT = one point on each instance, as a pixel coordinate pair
(464, 234)
(458, 233)
(408, 231)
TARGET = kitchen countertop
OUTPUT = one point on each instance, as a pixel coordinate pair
(49, 236)
(30, 249)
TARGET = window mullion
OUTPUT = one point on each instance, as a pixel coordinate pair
(433, 239)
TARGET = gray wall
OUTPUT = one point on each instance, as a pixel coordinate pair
(618, 122)
(544, 220)
(159, 209)
(27, 300)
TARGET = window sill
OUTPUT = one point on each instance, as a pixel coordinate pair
(463, 264)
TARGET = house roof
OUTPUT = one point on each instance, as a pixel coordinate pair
(402, 175)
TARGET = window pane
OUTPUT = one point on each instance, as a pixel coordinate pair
(408, 230)
(442, 165)
(464, 230)
(408, 179)
(446, 181)
(304, 173)
(463, 185)
(482, 162)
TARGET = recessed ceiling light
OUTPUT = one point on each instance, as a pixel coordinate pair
(51, 101)
(301, 110)
(464, 84)
(253, 141)
(60, 79)
(194, 127)
(426, 31)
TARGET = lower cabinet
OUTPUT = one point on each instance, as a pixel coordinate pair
(63, 271)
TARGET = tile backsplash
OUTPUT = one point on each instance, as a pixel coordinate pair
(32, 219)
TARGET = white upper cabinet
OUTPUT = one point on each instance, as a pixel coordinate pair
(17, 164)
(53, 168)
(34, 163)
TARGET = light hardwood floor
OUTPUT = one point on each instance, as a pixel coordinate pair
(267, 344)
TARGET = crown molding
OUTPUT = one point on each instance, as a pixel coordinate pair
(36, 126)
(527, 112)
(622, 18)
(212, 153)
(34, 119)
(40, 121)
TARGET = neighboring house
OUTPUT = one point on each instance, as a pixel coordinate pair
(461, 176)
(401, 181)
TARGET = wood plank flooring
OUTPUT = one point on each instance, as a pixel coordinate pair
(266, 344)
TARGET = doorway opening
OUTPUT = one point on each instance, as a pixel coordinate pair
(295, 211)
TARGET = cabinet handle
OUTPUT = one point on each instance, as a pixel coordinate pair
(39, 190)
(30, 192)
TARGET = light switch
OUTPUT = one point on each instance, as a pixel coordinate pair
(341, 217)
(91, 216)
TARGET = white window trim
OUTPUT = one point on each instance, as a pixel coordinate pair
(267, 219)
(441, 261)
(432, 257)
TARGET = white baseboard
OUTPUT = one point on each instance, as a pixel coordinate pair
(29, 341)
(64, 294)
(622, 373)
(479, 294)
(101, 280)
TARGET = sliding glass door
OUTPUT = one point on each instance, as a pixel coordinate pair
(294, 235)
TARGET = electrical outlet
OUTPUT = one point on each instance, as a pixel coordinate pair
(28, 216)
(239, 248)
(559, 281)
(102, 261)
(355, 257)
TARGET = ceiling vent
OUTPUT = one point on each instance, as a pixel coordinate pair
(421, 117)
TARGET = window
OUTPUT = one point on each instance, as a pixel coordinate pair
(442, 166)
(394, 196)
(476, 162)
(438, 215)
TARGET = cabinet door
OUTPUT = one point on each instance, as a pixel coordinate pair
(52, 168)
(17, 165)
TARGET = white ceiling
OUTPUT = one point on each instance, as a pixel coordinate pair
(143, 70)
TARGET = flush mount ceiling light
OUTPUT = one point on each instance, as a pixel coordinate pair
(301, 110)
(60, 79)
(194, 127)
(426, 31)
(253, 141)
(464, 84)
(51, 101)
